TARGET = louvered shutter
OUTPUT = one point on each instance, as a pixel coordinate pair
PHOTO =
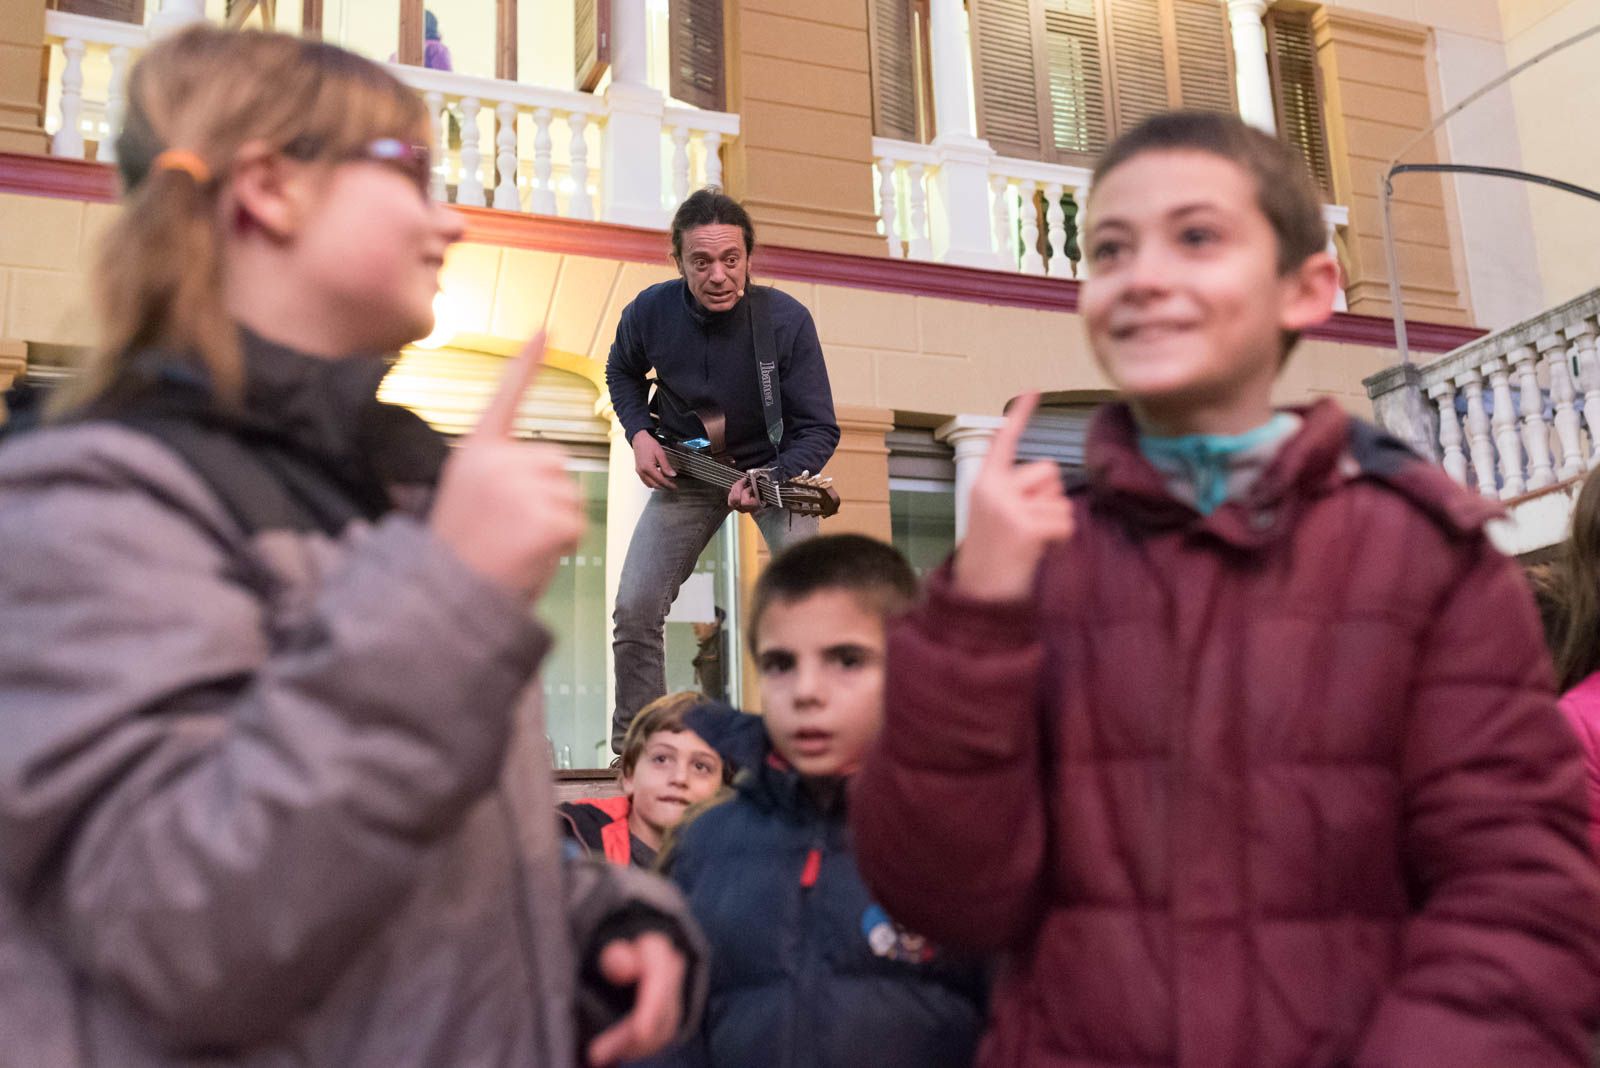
(118, 10)
(591, 32)
(1296, 90)
(1138, 60)
(1078, 114)
(1205, 73)
(1007, 69)
(694, 46)
(894, 96)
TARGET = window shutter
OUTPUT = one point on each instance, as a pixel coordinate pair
(1297, 91)
(1138, 60)
(694, 44)
(591, 26)
(894, 96)
(1078, 118)
(1006, 68)
(1205, 72)
(117, 10)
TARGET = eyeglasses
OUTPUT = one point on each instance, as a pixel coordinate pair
(412, 160)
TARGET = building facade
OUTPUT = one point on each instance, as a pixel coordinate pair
(915, 169)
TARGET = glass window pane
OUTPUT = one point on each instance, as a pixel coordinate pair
(574, 607)
(923, 526)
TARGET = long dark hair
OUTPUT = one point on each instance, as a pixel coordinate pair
(1568, 591)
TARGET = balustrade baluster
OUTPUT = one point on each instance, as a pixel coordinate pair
(1582, 337)
(1507, 442)
(1000, 221)
(543, 199)
(711, 143)
(68, 140)
(116, 104)
(1563, 399)
(1535, 434)
(1479, 440)
(1032, 261)
(1056, 219)
(1455, 461)
(434, 102)
(919, 247)
(580, 205)
(680, 163)
(1080, 199)
(469, 188)
(888, 209)
(506, 196)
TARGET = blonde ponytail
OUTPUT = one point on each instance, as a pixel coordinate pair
(193, 101)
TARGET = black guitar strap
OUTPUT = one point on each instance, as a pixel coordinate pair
(766, 347)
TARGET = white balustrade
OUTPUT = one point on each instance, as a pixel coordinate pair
(496, 141)
(888, 209)
(1017, 219)
(695, 150)
(1056, 219)
(1530, 397)
(904, 171)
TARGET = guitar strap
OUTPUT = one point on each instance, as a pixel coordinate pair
(766, 348)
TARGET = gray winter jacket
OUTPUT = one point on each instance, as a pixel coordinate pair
(272, 801)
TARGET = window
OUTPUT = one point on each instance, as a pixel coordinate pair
(1297, 89)
(1057, 79)
(902, 81)
(922, 497)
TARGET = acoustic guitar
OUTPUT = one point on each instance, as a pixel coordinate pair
(701, 459)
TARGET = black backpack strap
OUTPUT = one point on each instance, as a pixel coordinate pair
(766, 349)
(261, 486)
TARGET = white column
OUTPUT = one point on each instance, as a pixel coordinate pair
(888, 210)
(625, 501)
(918, 247)
(961, 184)
(544, 190)
(969, 436)
(506, 195)
(1251, 77)
(469, 188)
(176, 14)
(952, 72)
(1582, 338)
(630, 164)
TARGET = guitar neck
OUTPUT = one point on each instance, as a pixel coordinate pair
(706, 469)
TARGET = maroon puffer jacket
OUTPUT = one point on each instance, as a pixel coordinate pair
(1281, 786)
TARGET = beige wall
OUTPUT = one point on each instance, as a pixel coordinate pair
(887, 351)
(1375, 75)
(1554, 105)
(800, 79)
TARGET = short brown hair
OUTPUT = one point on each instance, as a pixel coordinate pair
(871, 569)
(663, 714)
(1285, 191)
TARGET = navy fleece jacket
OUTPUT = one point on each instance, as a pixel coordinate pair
(709, 357)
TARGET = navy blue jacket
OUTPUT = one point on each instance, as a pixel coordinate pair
(709, 357)
(806, 968)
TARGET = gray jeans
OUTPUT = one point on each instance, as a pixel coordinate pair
(674, 529)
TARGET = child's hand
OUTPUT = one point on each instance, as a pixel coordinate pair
(652, 965)
(1014, 514)
(508, 508)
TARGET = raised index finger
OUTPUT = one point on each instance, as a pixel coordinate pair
(1003, 449)
(499, 419)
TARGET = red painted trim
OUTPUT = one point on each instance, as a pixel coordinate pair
(80, 180)
(50, 176)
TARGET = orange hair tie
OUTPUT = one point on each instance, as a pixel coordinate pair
(181, 159)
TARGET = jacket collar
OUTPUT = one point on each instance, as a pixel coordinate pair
(1125, 483)
(326, 410)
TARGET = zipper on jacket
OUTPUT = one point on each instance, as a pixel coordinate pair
(799, 1020)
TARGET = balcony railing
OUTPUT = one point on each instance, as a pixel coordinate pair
(1515, 415)
(1035, 208)
(502, 144)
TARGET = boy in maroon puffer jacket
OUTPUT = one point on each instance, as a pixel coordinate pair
(1262, 718)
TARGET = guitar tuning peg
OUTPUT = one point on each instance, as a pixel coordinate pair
(826, 482)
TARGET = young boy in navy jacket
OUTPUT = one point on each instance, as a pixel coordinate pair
(806, 968)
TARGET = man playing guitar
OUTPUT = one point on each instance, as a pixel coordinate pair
(714, 342)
